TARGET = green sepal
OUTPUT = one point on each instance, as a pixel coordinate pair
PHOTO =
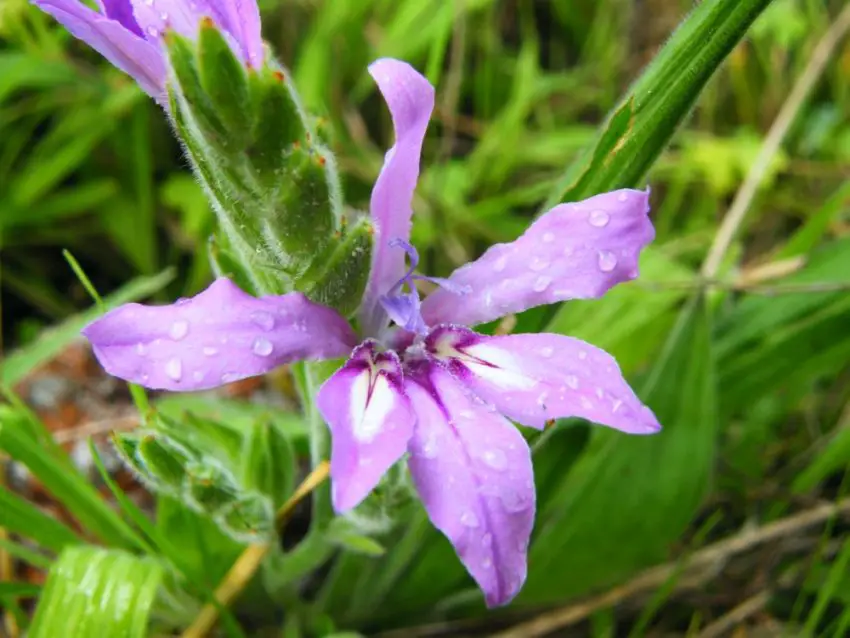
(345, 271)
(164, 461)
(205, 437)
(209, 488)
(225, 80)
(268, 462)
(249, 518)
(390, 503)
(303, 217)
(190, 91)
(278, 125)
(226, 264)
(126, 445)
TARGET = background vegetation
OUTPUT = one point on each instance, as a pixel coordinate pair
(741, 500)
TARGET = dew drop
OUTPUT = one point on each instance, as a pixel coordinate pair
(548, 238)
(487, 564)
(198, 376)
(622, 197)
(500, 264)
(179, 329)
(262, 347)
(152, 31)
(141, 350)
(230, 377)
(582, 354)
(547, 352)
(599, 218)
(572, 381)
(174, 369)
(537, 264)
(263, 319)
(364, 461)
(568, 251)
(495, 459)
(487, 540)
(466, 414)
(616, 406)
(429, 449)
(607, 261)
(600, 393)
(541, 399)
(514, 501)
(586, 404)
(541, 283)
(469, 519)
(210, 351)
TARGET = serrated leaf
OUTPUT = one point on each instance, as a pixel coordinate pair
(97, 592)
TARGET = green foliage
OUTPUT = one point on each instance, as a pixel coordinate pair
(92, 592)
(748, 374)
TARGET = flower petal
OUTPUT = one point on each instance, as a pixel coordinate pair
(574, 251)
(370, 420)
(114, 41)
(472, 469)
(532, 378)
(218, 336)
(410, 99)
(241, 18)
(121, 11)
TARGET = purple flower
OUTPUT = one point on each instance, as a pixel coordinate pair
(420, 382)
(128, 33)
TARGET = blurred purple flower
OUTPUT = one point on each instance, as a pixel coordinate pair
(128, 33)
(428, 386)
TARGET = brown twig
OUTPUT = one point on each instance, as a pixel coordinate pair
(247, 564)
(700, 566)
(736, 616)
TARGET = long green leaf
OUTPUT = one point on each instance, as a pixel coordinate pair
(19, 516)
(97, 592)
(641, 125)
(18, 364)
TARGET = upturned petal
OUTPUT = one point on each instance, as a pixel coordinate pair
(370, 419)
(240, 19)
(574, 251)
(532, 378)
(114, 40)
(121, 11)
(410, 99)
(220, 335)
(472, 469)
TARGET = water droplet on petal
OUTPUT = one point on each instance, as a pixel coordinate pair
(230, 377)
(582, 354)
(141, 350)
(262, 347)
(487, 540)
(495, 459)
(586, 403)
(607, 261)
(174, 369)
(622, 197)
(599, 218)
(469, 519)
(548, 238)
(568, 251)
(541, 283)
(179, 329)
(547, 352)
(466, 414)
(600, 393)
(487, 564)
(263, 319)
(210, 351)
(429, 449)
(537, 264)
(572, 381)
(514, 501)
(364, 461)
(152, 31)
(616, 405)
(500, 264)
(198, 376)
